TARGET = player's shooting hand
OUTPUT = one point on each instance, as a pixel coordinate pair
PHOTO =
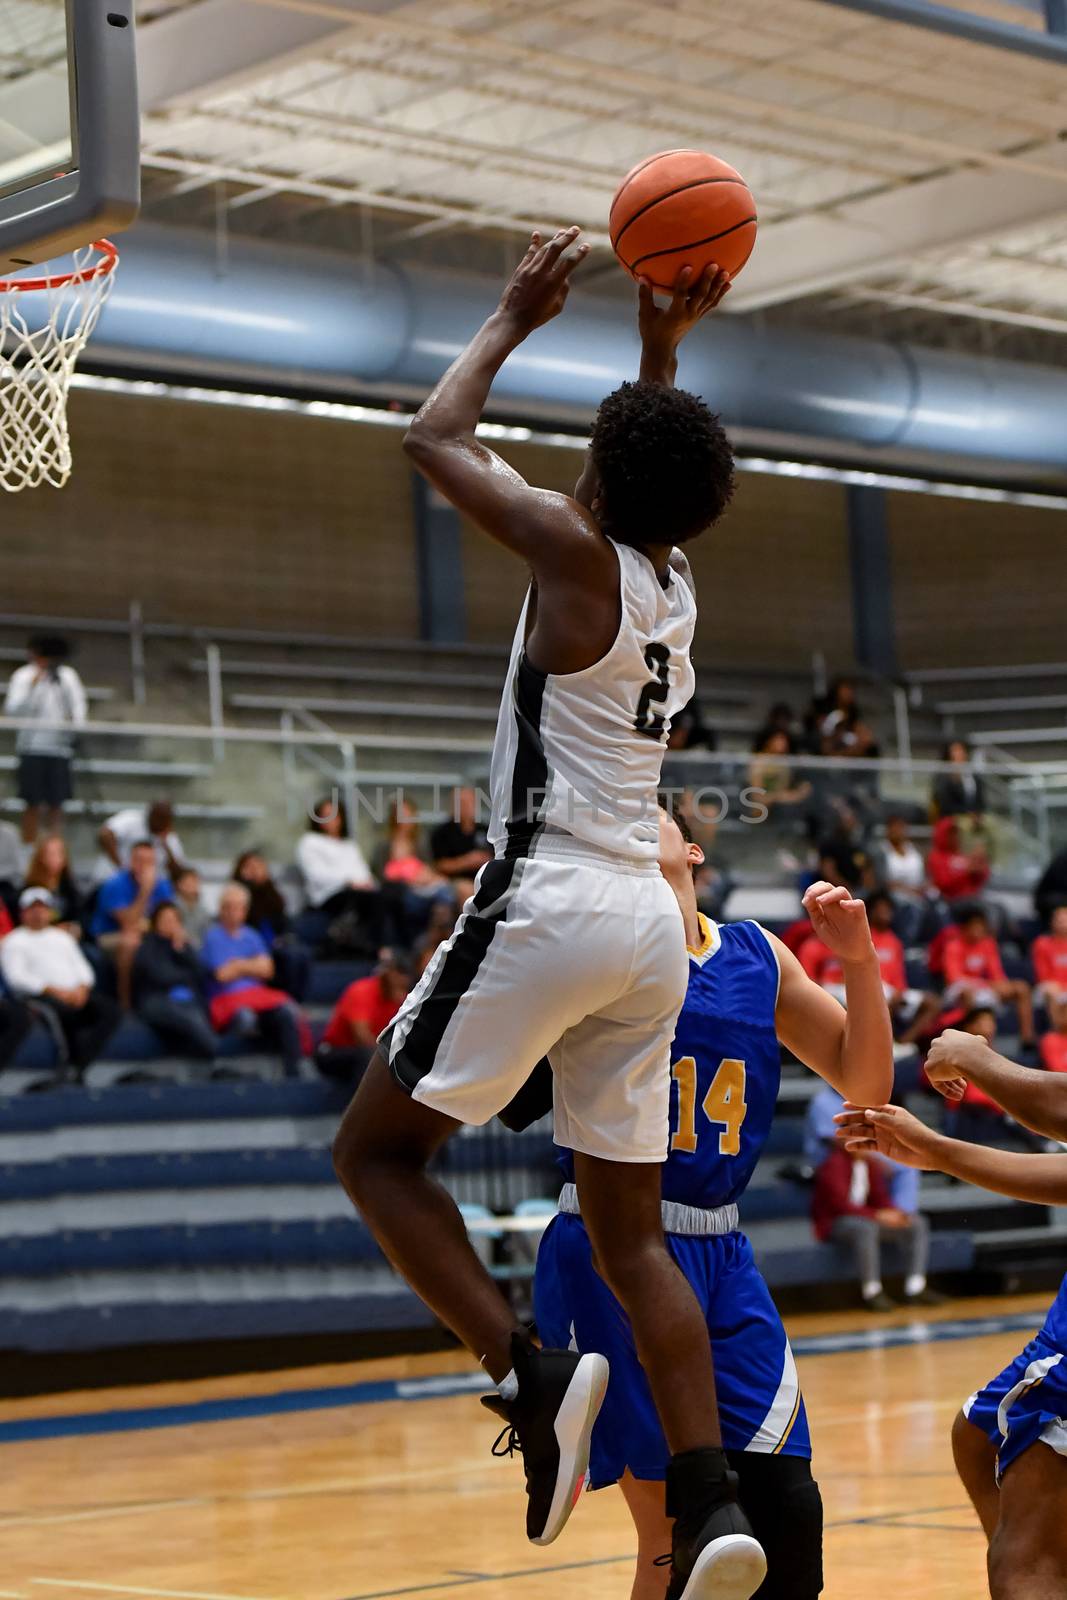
(692, 299)
(540, 283)
(952, 1058)
(840, 921)
(888, 1131)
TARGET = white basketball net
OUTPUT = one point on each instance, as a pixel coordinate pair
(43, 331)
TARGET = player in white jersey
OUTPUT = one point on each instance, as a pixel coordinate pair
(572, 945)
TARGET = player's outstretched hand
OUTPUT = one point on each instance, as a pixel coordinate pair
(691, 301)
(951, 1058)
(839, 920)
(540, 283)
(888, 1131)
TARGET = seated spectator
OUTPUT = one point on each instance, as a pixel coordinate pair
(42, 964)
(188, 897)
(780, 719)
(124, 904)
(841, 728)
(269, 916)
(961, 793)
(11, 858)
(409, 884)
(901, 870)
(131, 827)
(1053, 1050)
(956, 872)
(240, 992)
(772, 774)
(16, 1020)
(365, 1009)
(1051, 889)
(440, 927)
(689, 731)
(460, 845)
(338, 880)
(852, 1207)
(843, 855)
(168, 985)
(975, 977)
(49, 869)
(1049, 956)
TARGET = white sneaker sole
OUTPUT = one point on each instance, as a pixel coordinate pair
(573, 1429)
(731, 1568)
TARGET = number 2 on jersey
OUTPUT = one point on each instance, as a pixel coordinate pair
(648, 721)
(724, 1103)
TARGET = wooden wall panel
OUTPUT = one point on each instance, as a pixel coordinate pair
(976, 583)
(214, 515)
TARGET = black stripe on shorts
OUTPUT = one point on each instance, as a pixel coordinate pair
(457, 972)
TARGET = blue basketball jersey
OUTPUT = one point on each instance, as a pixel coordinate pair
(725, 1067)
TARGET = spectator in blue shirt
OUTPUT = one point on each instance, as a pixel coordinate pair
(124, 904)
(240, 969)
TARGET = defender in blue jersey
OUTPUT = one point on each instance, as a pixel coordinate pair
(1010, 1439)
(747, 995)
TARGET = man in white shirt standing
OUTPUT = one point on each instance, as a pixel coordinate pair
(45, 966)
(48, 692)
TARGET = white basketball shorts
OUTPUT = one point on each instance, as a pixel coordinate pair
(577, 956)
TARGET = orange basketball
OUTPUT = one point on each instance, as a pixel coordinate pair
(682, 208)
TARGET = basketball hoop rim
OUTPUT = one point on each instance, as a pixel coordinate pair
(109, 260)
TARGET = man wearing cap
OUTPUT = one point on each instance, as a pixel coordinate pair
(43, 965)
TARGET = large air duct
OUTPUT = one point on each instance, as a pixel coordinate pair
(306, 319)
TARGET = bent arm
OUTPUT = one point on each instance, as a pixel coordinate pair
(549, 530)
(1035, 1098)
(851, 1049)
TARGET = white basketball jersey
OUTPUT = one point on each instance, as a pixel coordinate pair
(580, 753)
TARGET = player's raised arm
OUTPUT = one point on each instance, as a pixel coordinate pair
(893, 1132)
(663, 328)
(852, 1049)
(550, 531)
(1035, 1098)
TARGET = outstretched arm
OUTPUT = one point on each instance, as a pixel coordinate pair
(662, 329)
(893, 1132)
(550, 531)
(852, 1049)
(1035, 1098)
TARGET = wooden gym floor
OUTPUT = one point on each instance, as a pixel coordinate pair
(290, 1486)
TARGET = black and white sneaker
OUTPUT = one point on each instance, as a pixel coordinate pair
(550, 1421)
(715, 1556)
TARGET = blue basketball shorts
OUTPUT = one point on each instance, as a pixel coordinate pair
(760, 1404)
(1027, 1403)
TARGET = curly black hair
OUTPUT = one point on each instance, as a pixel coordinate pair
(664, 462)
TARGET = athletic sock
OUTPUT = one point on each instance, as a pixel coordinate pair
(914, 1284)
(871, 1288)
(508, 1387)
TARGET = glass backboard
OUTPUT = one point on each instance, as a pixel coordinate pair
(69, 127)
(37, 135)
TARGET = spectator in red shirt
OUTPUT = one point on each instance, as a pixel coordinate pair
(1054, 1051)
(958, 873)
(974, 973)
(1049, 955)
(912, 1008)
(363, 1011)
(851, 1207)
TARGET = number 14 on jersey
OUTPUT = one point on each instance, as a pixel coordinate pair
(724, 1104)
